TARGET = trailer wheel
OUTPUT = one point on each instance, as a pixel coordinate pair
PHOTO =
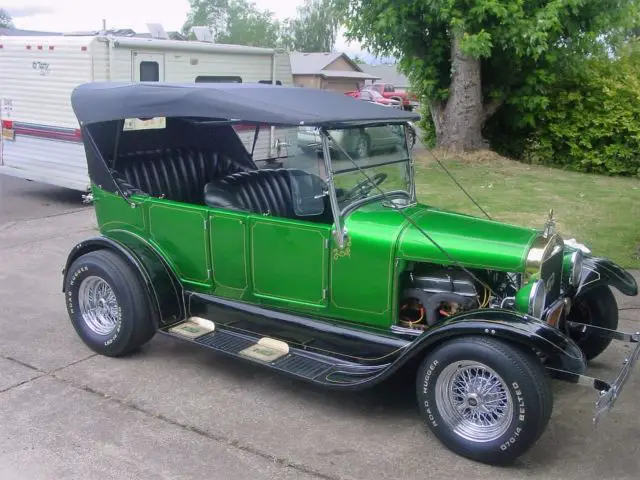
(484, 399)
(107, 304)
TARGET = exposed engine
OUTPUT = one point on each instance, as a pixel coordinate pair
(431, 294)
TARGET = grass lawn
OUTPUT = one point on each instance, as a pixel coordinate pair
(601, 212)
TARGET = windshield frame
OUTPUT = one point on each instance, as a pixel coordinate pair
(339, 215)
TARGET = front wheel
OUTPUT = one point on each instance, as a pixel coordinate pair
(484, 399)
(599, 308)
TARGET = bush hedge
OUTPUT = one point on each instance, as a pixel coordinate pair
(589, 122)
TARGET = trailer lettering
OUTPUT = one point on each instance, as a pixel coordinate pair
(41, 67)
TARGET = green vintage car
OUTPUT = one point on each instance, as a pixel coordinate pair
(328, 269)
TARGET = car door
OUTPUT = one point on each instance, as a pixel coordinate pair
(179, 231)
(289, 261)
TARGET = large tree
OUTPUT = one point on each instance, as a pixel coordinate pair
(236, 22)
(314, 29)
(466, 57)
(5, 19)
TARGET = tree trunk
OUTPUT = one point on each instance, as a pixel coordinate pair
(458, 122)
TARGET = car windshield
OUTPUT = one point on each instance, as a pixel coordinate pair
(377, 152)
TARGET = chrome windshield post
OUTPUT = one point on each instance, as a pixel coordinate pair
(410, 167)
(339, 232)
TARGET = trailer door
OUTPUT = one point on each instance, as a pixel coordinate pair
(148, 67)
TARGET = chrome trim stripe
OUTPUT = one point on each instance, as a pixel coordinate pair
(48, 132)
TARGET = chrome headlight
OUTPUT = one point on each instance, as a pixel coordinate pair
(540, 251)
(537, 299)
(577, 259)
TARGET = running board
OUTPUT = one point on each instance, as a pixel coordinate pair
(276, 355)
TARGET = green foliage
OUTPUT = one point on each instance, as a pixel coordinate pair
(235, 22)
(519, 42)
(5, 19)
(314, 28)
(590, 120)
(240, 22)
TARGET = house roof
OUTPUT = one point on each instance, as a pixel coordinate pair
(388, 74)
(315, 63)
(346, 74)
(311, 63)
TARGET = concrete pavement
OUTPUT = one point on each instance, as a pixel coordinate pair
(177, 412)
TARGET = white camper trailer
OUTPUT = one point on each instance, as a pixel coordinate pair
(40, 135)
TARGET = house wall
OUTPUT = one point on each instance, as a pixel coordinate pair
(341, 85)
(309, 81)
(340, 64)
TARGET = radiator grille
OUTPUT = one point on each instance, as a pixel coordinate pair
(551, 273)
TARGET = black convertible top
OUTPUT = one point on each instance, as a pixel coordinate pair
(251, 103)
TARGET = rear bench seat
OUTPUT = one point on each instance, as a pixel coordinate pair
(178, 174)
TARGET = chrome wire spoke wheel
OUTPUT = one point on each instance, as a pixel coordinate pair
(98, 305)
(474, 401)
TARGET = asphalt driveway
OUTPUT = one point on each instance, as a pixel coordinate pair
(176, 412)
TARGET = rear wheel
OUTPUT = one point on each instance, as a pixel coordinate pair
(597, 307)
(107, 304)
(484, 399)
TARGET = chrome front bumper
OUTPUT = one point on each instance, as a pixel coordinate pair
(609, 392)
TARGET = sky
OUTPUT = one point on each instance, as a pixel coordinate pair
(74, 15)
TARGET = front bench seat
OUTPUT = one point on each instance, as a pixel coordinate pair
(265, 191)
(178, 174)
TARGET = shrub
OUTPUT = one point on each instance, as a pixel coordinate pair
(590, 121)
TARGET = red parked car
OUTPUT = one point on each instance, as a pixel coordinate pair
(387, 90)
(374, 97)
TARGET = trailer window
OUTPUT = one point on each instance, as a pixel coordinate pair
(268, 82)
(149, 72)
(216, 79)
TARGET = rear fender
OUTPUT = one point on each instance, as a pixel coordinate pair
(529, 334)
(161, 283)
(601, 271)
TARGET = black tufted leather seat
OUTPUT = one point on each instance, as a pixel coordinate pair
(267, 191)
(178, 174)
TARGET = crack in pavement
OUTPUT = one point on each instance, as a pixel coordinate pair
(32, 242)
(233, 443)
(11, 223)
(20, 362)
(22, 383)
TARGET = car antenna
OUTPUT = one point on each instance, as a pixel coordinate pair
(446, 170)
(407, 217)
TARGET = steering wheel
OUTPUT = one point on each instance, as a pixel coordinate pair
(362, 188)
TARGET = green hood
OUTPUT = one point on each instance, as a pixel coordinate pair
(472, 241)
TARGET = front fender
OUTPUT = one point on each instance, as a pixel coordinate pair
(558, 349)
(601, 271)
(161, 284)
